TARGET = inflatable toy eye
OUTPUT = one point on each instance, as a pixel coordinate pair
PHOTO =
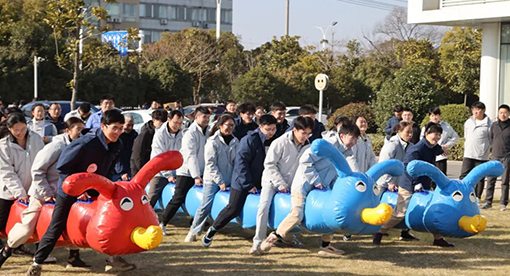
(472, 197)
(361, 187)
(145, 199)
(457, 196)
(126, 204)
(376, 190)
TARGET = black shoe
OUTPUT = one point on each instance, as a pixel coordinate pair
(377, 238)
(442, 243)
(4, 255)
(406, 236)
(22, 251)
(347, 237)
(76, 262)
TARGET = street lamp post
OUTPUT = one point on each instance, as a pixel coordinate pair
(36, 63)
(324, 31)
(218, 19)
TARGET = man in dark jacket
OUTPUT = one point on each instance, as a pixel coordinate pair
(318, 128)
(425, 150)
(142, 145)
(128, 136)
(278, 110)
(244, 122)
(97, 152)
(397, 110)
(247, 174)
(407, 116)
(55, 117)
(500, 141)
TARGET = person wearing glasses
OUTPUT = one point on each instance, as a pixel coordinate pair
(220, 151)
(128, 136)
(107, 102)
(280, 166)
(97, 151)
(55, 117)
(244, 122)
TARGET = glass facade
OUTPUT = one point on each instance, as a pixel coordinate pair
(504, 71)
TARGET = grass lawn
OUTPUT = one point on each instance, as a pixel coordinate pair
(487, 253)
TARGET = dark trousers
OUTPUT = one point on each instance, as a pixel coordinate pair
(491, 184)
(5, 210)
(467, 165)
(55, 229)
(182, 186)
(441, 165)
(156, 187)
(232, 210)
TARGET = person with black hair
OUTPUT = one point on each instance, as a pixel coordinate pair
(55, 117)
(280, 166)
(247, 173)
(107, 102)
(500, 140)
(40, 125)
(18, 149)
(395, 119)
(425, 150)
(477, 130)
(337, 124)
(363, 156)
(43, 187)
(313, 173)
(142, 146)
(447, 141)
(82, 112)
(309, 111)
(278, 110)
(127, 138)
(407, 116)
(259, 111)
(167, 137)
(231, 107)
(220, 151)
(97, 151)
(192, 169)
(244, 122)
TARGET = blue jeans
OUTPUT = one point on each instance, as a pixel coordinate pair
(209, 191)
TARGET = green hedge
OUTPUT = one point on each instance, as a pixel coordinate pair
(352, 110)
(454, 114)
(456, 153)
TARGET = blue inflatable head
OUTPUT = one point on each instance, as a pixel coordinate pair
(353, 205)
(453, 210)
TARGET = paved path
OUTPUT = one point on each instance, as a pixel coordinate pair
(454, 173)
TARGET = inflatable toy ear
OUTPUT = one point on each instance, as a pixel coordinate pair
(418, 168)
(77, 184)
(491, 168)
(324, 149)
(166, 161)
(392, 167)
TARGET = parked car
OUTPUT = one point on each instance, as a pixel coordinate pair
(142, 116)
(66, 107)
(218, 109)
(293, 112)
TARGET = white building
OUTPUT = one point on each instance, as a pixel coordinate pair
(493, 16)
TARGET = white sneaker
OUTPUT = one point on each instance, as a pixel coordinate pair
(163, 227)
(49, 260)
(255, 250)
(330, 251)
(190, 237)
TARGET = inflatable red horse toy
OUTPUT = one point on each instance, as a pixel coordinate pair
(121, 220)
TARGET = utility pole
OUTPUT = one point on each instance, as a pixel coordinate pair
(324, 31)
(287, 18)
(218, 19)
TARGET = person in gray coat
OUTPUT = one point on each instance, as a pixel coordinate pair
(39, 125)
(477, 131)
(167, 137)
(219, 154)
(363, 155)
(192, 169)
(280, 166)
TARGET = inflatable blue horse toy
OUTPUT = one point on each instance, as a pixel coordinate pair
(351, 206)
(451, 210)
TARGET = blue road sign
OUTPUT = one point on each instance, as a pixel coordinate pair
(118, 39)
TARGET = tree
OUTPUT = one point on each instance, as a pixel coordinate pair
(71, 21)
(257, 86)
(459, 59)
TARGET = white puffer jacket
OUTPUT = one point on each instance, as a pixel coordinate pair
(192, 150)
(219, 159)
(164, 141)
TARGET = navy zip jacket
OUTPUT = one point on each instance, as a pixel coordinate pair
(241, 129)
(124, 165)
(389, 126)
(249, 162)
(84, 151)
(421, 151)
(318, 129)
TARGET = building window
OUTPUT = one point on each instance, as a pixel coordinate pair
(142, 10)
(113, 9)
(504, 77)
(226, 16)
(155, 36)
(163, 12)
(178, 13)
(211, 15)
(147, 36)
(195, 14)
(129, 13)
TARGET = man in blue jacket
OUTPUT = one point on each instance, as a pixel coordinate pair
(107, 102)
(394, 120)
(244, 122)
(425, 150)
(97, 151)
(247, 174)
(310, 112)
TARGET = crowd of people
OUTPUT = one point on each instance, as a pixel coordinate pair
(245, 151)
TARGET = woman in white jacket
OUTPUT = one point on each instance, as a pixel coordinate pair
(363, 155)
(39, 125)
(219, 154)
(18, 148)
